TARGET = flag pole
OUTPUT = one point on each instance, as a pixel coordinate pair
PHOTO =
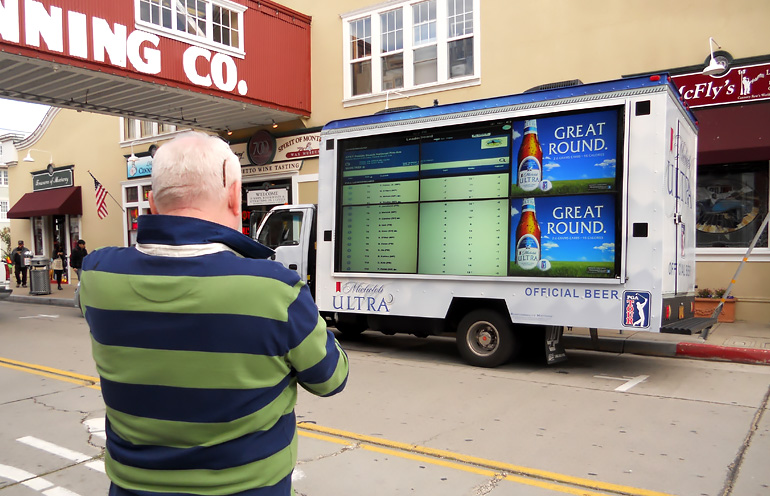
(108, 192)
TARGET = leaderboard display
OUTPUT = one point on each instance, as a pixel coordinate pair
(460, 200)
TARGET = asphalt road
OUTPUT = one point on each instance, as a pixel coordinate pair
(415, 419)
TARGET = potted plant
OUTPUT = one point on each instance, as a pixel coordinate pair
(706, 301)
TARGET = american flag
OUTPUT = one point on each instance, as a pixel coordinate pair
(101, 199)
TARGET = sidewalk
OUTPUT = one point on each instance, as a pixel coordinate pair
(741, 342)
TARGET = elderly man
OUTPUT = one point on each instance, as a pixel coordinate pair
(200, 340)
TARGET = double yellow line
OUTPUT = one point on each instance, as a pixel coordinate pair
(51, 373)
(551, 481)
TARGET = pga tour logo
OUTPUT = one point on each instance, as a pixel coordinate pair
(636, 309)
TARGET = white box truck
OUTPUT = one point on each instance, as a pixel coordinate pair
(504, 218)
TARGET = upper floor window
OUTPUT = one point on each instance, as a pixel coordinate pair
(3, 210)
(3, 177)
(215, 23)
(134, 129)
(412, 46)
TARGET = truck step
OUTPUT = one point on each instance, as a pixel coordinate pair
(693, 325)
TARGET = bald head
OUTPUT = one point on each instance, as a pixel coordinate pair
(192, 169)
(197, 175)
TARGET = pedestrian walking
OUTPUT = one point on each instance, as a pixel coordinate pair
(76, 258)
(58, 262)
(21, 257)
(200, 340)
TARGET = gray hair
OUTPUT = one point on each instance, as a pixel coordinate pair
(190, 168)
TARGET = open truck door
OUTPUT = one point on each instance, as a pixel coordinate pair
(290, 231)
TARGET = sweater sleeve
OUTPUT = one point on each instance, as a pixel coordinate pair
(321, 363)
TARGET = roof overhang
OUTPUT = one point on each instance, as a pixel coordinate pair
(105, 60)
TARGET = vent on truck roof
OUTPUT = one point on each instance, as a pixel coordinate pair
(556, 86)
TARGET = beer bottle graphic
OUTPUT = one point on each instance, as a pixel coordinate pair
(528, 236)
(530, 158)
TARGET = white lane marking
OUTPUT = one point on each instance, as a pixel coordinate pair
(633, 382)
(28, 479)
(96, 427)
(629, 381)
(40, 316)
(297, 475)
(65, 453)
(33, 482)
(54, 449)
(97, 465)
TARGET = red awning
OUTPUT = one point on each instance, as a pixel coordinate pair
(59, 201)
(733, 133)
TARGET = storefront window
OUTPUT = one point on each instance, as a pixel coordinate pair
(732, 202)
(135, 203)
(132, 194)
(38, 228)
(132, 217)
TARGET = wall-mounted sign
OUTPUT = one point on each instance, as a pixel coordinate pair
(261, 148)
(56, 178)
(279, 196)
(274, 168)
(142, 167)
(294, 147)
(122, 36)
(743, 84)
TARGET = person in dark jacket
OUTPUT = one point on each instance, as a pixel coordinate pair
(58, 262)
(76, 258)
(20, 257)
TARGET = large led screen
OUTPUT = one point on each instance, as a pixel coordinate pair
(530, 197)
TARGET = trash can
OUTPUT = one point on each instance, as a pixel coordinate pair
(39, 276)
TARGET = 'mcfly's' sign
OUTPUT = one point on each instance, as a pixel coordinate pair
(749, 83)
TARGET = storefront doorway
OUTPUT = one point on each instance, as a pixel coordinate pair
(259, 198)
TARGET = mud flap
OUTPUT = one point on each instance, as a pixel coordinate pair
(554, 350)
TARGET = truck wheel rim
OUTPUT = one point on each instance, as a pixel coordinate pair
(483, 338)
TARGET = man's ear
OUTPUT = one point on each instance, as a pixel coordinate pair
(153, 208)
(234, 198)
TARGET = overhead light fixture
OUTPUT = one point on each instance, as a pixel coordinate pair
(715, 66)
(274, 124)
(132, 157)
(228, 131)
(29, 158)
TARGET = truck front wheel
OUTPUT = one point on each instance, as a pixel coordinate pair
(485, 338)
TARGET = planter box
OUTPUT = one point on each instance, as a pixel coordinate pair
(704, 307)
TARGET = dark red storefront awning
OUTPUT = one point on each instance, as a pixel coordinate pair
(59, 201)
(733, 133)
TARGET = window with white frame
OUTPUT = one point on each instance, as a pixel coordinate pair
(215, 23)
(410, 46)
(3, 210)
(134, 129)
(3, 177)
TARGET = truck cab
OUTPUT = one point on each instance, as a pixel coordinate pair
(290, 230)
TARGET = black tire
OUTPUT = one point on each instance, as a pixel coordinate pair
(350, 326)
(486, 339)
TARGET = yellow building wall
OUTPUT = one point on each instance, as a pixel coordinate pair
(89, 142)
(525, 44)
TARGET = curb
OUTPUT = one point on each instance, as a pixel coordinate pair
(42, 300)
(683, 349)
(732, 354)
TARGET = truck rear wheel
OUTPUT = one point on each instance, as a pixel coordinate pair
(485, 338)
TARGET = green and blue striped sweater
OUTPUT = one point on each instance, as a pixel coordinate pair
(200, 342)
